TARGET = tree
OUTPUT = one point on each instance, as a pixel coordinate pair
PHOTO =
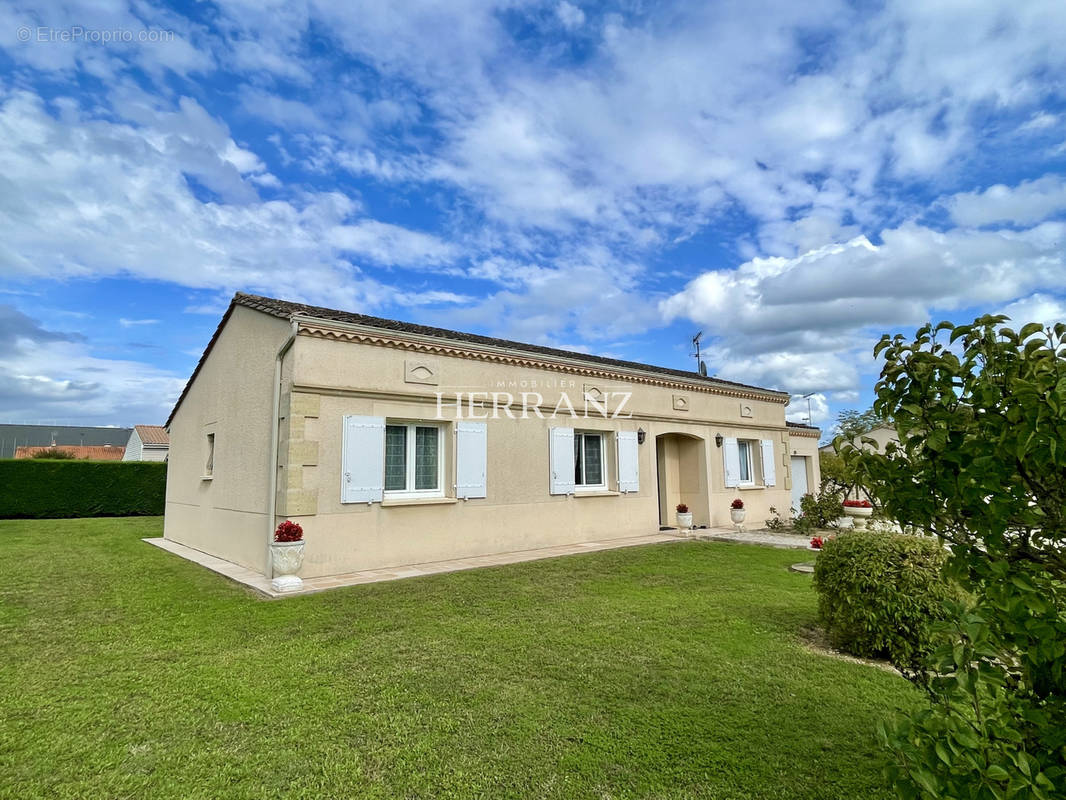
(852, 424)
(981, 463)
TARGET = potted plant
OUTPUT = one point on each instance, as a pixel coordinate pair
(737, 512)
(859, 511)
(287, 556)
(684, 516)
(817, 542)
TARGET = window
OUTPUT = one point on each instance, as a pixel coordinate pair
(745, 461)
(209, 463)
(413, 463)
(589, 470)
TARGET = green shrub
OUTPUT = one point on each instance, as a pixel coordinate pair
(879, 592)
(818, 511)
(49, 489)
(55, 454)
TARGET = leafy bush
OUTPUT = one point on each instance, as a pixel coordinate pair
(821, 511)
(48, 489)
(877, 593)
(981, 420)
(55, 454)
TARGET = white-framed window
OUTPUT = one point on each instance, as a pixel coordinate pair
(744, 447)
(590, 464)
(749, 462)
(209, 458)
(414, 459)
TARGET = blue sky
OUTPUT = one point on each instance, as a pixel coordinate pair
(791, 178)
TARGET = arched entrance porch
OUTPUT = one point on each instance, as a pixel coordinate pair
(681, 472)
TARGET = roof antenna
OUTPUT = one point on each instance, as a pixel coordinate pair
(702, 367)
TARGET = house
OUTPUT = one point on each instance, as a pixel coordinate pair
(14, 436)
(394, 444)
(147, 443)
(82, 452)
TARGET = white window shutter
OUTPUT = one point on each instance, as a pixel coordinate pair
(769, 468)
(628, 461)
(731, 451)
(471, 458)
(561, 457)
(363, 460)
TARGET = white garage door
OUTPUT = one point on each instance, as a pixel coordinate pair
(799, 480)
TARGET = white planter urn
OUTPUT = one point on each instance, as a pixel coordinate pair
(684, 519)
(737, 515)
(287, 558)
(858, 515)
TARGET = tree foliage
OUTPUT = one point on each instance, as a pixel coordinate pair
(981, 463)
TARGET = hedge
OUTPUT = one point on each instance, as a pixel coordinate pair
(39, 489)
(879, 592)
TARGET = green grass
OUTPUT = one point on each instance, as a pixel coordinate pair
(656, 672)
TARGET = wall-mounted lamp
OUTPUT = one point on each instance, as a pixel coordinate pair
(640, 435)
(718, 439)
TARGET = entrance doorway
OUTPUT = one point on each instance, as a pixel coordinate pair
(681, 470)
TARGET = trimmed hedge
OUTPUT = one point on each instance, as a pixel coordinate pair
(39, 489)
(878, 592)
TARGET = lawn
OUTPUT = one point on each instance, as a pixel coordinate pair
(666, 671)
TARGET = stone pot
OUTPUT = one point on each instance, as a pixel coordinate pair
(737, 515)
(858, 515)
(286, 559)
(684, 519)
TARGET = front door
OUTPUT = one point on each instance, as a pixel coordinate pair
(799, 481)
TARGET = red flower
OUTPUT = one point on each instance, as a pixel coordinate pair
(817, 542)
(738, 503)
(857, 504)
(289, 531)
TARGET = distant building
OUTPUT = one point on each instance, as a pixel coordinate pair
(147, 443)
(66, 436)
(101, 453)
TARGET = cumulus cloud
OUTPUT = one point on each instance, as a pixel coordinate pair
(805, 323)
(1024, 204)
(111, 199)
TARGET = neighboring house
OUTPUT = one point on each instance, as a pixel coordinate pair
(147, 443)
(15, 436)
(348, 425)
(104, 453)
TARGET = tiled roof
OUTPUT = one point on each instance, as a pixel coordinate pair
(287, 310)
(80, 451)
(152, 434)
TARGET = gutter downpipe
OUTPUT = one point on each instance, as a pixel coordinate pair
(274, 437)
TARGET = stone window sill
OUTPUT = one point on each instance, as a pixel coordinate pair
(597, 493)
(207, 477)
(418, 501)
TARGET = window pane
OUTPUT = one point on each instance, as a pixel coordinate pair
(427, 441)
(577, 460)
(395, 457)
(593, 459)
(745, 461)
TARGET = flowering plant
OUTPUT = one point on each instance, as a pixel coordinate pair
(682, 508)
(857, 504)
(289, 531)
(737, 504)
(817, 542)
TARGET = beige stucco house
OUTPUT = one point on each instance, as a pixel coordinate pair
(395, 444)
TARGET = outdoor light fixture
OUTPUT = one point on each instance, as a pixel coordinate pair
(718, 439)
(640, 435)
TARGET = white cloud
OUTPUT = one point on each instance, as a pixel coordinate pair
(805, 324)
(1037, 307)
(1024, 204)
(570, 15)
(130, 323)
(814, 413)
(110, 198)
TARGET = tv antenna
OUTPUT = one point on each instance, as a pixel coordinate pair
(699, 362)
